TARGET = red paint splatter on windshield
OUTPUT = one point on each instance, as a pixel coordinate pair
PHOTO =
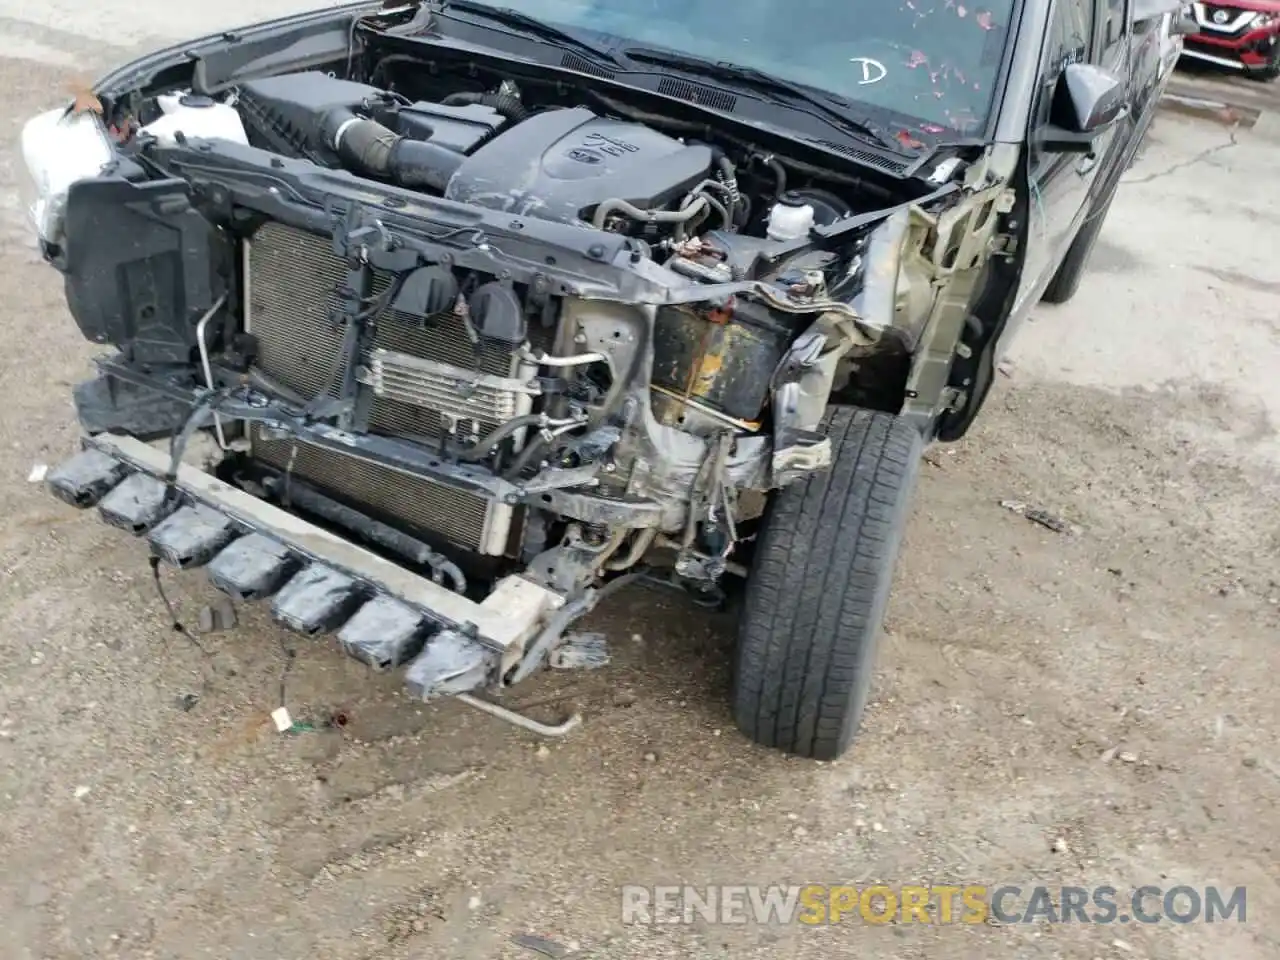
(932, 128)
(917, 58)
(984, 20)
(905, 138)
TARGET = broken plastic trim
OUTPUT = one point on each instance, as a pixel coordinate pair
(513, 614)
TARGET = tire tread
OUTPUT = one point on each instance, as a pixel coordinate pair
(819, 585)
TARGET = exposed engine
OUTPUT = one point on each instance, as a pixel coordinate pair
(504, 375)
(566, 164)
(572, 165)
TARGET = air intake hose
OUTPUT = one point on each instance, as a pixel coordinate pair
(369, 147)
(506, 104)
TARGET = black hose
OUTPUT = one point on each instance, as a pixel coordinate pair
(727, 174)
(725, 216)
(531, 452)
(372, 148)
(779, 174)
(380, 68)
(365, 143)
(310, 499)
(506, 104)
(421, 163)
(384, 299)
(485, 445)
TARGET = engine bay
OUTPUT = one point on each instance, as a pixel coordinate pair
(708, 210)
(713, 207)
(475, 390)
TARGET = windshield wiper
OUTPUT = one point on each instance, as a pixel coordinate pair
(532, 26)
(828, 106)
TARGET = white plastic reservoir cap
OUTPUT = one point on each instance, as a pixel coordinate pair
(790, 221)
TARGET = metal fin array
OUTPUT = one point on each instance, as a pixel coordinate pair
(307, 596)
(291, 275)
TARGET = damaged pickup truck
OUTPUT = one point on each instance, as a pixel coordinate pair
(431, 325)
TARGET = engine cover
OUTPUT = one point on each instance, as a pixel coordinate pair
(560, 164)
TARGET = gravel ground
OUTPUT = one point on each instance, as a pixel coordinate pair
(1091, 707)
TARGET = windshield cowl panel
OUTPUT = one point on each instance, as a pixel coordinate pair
(936, 61)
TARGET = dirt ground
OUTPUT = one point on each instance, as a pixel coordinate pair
(1091, 707)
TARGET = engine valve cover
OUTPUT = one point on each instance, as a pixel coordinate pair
(560, 164)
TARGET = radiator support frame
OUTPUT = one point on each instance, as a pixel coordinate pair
(481, 524)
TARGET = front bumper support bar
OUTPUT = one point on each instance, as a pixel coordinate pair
(317, 581)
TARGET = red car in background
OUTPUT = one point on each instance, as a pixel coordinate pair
(1241, 34)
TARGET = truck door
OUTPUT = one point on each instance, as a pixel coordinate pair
(1114, 32)
(1090, 31)
(1121, 55)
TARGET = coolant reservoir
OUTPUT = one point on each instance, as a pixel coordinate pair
(196, 116)
(790, 221)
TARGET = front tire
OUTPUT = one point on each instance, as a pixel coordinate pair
(1271, 70)
(819, 585)
(1066, 281)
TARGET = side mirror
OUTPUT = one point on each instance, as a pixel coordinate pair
(1087, 100)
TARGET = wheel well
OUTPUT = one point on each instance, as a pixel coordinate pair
(876, 380)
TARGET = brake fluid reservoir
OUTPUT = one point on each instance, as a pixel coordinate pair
(196, 116)
(789, 221)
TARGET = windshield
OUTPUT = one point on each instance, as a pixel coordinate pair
(934, 60)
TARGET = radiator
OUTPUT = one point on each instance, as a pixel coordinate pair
(415, 370)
